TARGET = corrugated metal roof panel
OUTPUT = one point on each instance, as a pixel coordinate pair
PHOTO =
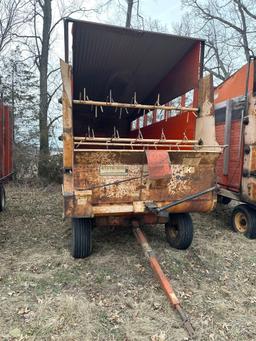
(123, 60)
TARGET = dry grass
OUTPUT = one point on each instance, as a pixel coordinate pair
(47, 295)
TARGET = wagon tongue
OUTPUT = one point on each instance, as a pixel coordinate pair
(164, 281)
(158, 164)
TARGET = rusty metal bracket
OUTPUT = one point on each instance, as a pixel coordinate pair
(152, 207)
(117, 182)
(155, 209)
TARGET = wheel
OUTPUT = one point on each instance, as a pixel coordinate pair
(81, 237)
(244, 220)
(179, 230)
(223, 200)
(2, 198)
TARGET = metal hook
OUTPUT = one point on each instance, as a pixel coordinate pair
(163, 137)
(135, 98)
(158, 100)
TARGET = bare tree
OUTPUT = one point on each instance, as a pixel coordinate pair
(229, 28)
(218, 60)
(128, 10)
(130, 4)
(40, 42)
(12, 18)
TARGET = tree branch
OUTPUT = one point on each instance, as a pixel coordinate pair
(54, 120)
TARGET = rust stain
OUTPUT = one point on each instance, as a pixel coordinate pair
(253, 159)
(129, 197)
(252, 191)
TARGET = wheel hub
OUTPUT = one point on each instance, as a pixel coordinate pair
(241, 222)
(173, 231)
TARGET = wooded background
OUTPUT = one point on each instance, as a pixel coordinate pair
(31, 43)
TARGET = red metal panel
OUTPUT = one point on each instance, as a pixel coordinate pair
(177, 127)
(1, 140)
(233, 179)
(158, 164)
(232, 88)
(11, 142)
(6, 137)
(184, 76)
(221, 179)
(6, 140)
(235, 161)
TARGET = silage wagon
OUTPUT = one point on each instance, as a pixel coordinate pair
(6, 141)
(138, 131)
(235, 117)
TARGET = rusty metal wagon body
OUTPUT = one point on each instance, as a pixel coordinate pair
(6, 141)
(129, 148)
(235, 117)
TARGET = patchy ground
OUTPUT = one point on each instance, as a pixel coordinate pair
(47, 295)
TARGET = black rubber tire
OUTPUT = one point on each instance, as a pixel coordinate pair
(223, 200)
(179, 230)
(2, 198)
(243, 220)
(81, 237)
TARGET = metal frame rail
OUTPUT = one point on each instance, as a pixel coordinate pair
(130, 144)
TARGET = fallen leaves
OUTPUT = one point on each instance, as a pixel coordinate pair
(215, 280)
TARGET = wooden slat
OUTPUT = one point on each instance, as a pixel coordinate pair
(149, 107)
(131, 140)
(67, 115)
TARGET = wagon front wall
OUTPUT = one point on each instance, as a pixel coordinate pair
(117, 183)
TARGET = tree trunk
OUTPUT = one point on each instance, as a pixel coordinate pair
(43, 108)
(129, 13)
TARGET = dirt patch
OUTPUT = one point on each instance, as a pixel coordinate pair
(47, 295)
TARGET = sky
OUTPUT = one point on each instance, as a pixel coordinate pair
(166, 11)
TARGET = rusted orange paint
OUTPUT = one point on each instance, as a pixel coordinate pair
(185, 180)
(253, 159)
